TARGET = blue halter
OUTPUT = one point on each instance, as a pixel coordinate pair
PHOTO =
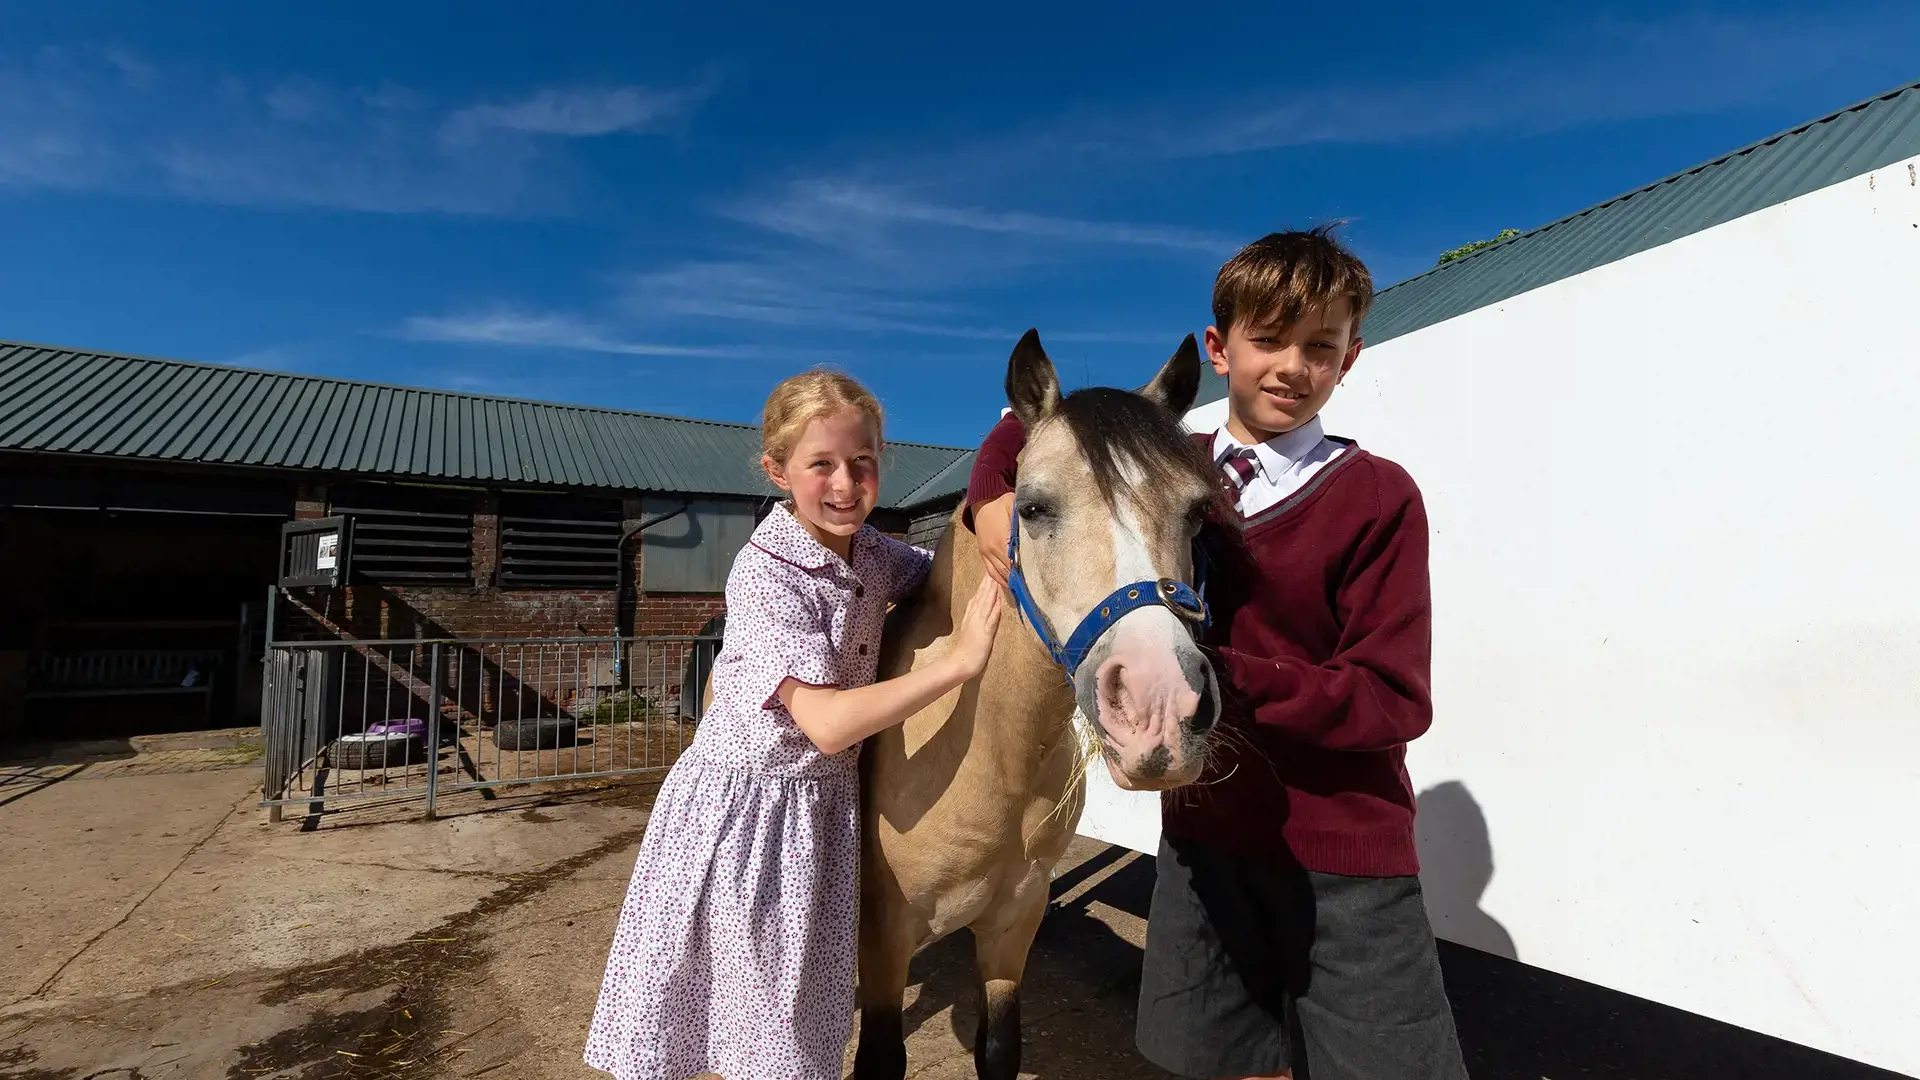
(1177, 596)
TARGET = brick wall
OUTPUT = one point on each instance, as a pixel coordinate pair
(483, 610)
(677, 613)
(487, 683)
(404, 611)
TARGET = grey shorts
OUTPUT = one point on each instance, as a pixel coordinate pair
(1252, 968)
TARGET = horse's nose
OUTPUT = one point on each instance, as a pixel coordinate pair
(1146, 694)
(1205, 712)
(1109, 685)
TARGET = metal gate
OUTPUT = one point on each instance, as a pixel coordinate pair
(350, 720)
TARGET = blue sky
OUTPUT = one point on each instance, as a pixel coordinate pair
(671, 210)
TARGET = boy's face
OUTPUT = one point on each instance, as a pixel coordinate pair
(1279, 377)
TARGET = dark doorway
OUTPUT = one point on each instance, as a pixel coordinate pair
(132, 608)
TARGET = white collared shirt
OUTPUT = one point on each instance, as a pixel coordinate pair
(1285, 463)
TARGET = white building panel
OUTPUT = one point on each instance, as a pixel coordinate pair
(1675, 507)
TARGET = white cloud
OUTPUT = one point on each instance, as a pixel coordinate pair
(136, 72)
(110, 120)
(555, 331)
(848, 212)
(271, 358)
(867, 245)
(787, 293)
(876, 258)
(50, 159)
(577, 112)
(831, 294)
(299, 101)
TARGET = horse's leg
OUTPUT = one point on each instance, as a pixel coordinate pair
(1000, 951)
(885, 953)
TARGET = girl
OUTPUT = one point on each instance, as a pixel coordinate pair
(735, 949)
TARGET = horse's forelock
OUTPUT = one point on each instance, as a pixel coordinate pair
(1113, 427)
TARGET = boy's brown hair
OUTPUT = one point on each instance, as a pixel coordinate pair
(1283, 275)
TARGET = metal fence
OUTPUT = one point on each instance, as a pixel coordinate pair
(350, 720)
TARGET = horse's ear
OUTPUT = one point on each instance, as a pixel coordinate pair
(1033, 387)
(1178, 382)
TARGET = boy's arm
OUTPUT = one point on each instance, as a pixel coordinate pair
(995, 464)
(989, 510)
(1373, 693)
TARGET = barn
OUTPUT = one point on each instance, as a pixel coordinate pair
(143, 502)
(1667, 449)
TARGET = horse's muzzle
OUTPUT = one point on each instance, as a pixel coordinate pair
(1155, 699)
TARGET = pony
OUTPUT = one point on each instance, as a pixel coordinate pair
(968, 805)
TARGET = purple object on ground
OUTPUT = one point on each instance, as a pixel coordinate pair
(399, 727)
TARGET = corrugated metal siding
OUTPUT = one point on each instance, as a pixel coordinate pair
(1823, 152)
(64, 401)
(926, 528)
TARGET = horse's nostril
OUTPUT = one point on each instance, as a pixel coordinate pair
(1204, 714)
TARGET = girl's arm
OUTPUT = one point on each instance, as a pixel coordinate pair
(836, 719)
(907, 566)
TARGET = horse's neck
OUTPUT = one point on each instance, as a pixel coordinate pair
(1025, 703)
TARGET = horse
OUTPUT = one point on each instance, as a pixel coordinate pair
(968, 805)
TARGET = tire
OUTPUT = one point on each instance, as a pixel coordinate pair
(545, 733)
(375, 752)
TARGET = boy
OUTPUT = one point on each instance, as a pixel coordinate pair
(1287, 931)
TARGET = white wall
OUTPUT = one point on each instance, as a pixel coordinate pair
(1675, 507)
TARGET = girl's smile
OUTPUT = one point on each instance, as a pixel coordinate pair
(833, 474)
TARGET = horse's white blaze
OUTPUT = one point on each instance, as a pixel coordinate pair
(1141, 672)
(1148, 627)
(1132, 562)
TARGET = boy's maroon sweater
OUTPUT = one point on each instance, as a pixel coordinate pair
(1322, 630)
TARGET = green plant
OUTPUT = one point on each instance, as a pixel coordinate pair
(622, 707)
(1466, 249)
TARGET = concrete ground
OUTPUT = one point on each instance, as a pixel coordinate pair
(162, 928)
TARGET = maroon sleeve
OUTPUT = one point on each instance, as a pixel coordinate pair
(994, 464)
(1373, 693)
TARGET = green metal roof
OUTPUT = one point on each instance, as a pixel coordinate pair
(950, 481)
(1856, 140)
(64, 401)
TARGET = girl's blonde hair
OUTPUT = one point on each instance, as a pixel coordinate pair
(799, 399)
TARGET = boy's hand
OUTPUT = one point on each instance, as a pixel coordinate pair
(992, 524)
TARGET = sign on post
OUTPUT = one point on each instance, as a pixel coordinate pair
(316, 552)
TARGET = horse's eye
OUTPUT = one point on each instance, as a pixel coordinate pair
(1034, 511)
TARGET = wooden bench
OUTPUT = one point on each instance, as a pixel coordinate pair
(102, 673)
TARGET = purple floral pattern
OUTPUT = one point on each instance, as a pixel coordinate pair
(734, 952)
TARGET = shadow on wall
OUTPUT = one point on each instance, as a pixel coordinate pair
(1456, 865)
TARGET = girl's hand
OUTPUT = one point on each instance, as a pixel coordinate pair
(974, 642)
(837, 719)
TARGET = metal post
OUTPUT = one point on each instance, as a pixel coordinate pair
(266, 710)
(433, 735)
(273, 591)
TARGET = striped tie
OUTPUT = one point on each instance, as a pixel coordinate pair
(1239, 468)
